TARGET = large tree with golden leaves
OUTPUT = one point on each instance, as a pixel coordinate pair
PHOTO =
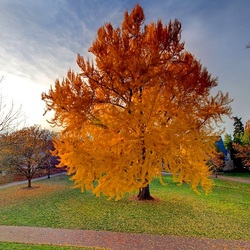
(142, 106)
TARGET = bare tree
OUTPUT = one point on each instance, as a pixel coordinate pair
(10, 117)
(248, 46)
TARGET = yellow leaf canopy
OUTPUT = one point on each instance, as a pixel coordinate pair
(144, 106)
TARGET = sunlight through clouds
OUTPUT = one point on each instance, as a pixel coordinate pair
(23, 92)
(40, 41)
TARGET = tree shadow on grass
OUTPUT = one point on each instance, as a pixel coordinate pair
(30, 188)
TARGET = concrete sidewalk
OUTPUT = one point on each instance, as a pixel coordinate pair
(229, 178)
(26, 181)
(113, 240)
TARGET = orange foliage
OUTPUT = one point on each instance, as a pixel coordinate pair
(218, 161)
(243, 149)
(27, 150)
(247, 126)
(243, 153)
(143, 106)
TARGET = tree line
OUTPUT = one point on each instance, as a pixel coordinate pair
(238, 145)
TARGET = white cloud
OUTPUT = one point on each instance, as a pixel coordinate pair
(40, 41)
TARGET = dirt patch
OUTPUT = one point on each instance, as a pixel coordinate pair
(134, 198)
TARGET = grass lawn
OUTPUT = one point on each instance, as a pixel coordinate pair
(238, 175)
(20, 246)
(224, 213)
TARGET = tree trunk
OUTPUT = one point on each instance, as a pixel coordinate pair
(144, 194)
(48, 172)
(29, 182)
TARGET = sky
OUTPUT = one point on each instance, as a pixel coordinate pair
(40, 40)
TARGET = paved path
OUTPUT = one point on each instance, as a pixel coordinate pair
(115, 241)
(26, 181)
(230, 178)
(236, 179)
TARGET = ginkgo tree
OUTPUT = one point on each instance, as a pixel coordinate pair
(142, 106)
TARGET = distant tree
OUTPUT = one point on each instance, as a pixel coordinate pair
(246, 136)
(52, 161)
(10, 117)
(238, 129)
(247, 125)
(237, 140)
(228, 142)
(27, 150)
(248, 46)
(143, 106)
(243, 149)
(217, 162)
(243, 152)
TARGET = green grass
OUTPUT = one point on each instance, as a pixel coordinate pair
(21, 246)
(238, 175)
(224, 213)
